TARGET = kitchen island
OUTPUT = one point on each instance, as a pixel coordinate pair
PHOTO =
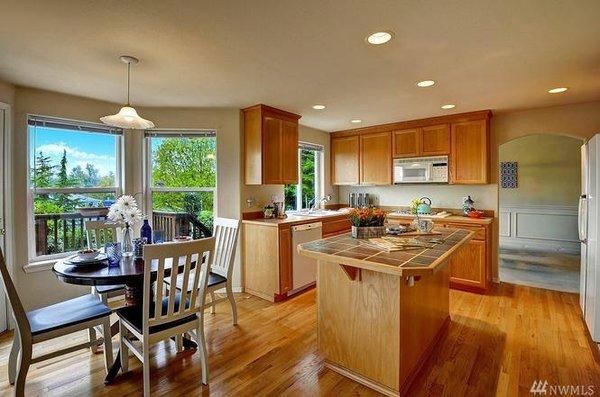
(381, 313)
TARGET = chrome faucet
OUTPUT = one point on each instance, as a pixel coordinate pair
(318, 203)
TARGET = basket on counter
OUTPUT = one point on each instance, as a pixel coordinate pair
(368, 222)
(368, 231)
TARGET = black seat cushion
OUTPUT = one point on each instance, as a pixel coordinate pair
(67, 313)
(133, 315)
(105, 289)
(213, 279)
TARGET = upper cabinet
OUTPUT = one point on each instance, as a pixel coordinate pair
(432, 140)
(365, 155)
(345, 160)
(376, 158)
(469, 160)
(270, 146)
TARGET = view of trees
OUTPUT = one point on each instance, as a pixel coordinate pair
(307, 181)
(185, 163)
(44, 174)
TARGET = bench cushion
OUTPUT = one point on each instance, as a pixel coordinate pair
(67, 313)
(133, 315)
(105, 289)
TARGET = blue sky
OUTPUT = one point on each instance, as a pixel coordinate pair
(81, 147)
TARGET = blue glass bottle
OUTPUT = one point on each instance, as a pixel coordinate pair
(146, 232)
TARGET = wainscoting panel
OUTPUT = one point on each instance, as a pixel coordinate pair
(540, 227)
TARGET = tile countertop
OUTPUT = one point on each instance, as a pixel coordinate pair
(291, 219)
(363, 254)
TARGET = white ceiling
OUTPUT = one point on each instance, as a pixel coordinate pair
(291, 54)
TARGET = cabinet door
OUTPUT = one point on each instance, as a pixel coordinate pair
(344, 160)
(467, 266)
(376, 158)
(272, 154)
(406, 142)
(469, 152)
(285, 260)
(435, 140)
(289, 166)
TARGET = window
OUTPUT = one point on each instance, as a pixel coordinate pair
(74, 174)
(182, 181)
(310, 175)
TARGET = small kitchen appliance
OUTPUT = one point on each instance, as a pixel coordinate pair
(424, 206)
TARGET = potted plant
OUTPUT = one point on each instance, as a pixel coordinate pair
(367, 222)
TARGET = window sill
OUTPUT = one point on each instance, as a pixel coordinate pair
(41, 265)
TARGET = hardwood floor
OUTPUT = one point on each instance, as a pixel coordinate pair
(497, 344)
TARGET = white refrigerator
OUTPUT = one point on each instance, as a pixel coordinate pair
(588, 236)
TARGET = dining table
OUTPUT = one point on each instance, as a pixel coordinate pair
(129, 272)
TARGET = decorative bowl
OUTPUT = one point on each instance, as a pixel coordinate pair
(475, 214)
(87, 254)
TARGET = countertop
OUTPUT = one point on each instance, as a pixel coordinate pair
(291, 220)
(448, 219)
(361, 253)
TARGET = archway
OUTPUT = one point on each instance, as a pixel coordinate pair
(539, 187)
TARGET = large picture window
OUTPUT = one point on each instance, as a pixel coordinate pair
(182, 181)
(74, 174)
(310, 175)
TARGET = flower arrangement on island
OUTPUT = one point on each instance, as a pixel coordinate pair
(367, 222)
(125, 213)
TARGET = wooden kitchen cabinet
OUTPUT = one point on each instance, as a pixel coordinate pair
(376, 158)
(268, 254)
(270, 146)
(435, 140)
(469, 159)
(406, 143)
(345, 160)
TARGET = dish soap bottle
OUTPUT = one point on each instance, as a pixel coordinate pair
(146, 231)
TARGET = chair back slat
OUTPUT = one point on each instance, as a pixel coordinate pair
(177, 259)
(13, 299)
(226, 232)
(100, 232)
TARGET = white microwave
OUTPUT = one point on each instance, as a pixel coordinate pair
(421, 170)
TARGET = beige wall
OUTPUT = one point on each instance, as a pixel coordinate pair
(262, 194)
(7, 93)
(549, 170)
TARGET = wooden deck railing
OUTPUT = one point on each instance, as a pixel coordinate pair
(65, 232)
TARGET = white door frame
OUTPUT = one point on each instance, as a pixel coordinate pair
(6, 178)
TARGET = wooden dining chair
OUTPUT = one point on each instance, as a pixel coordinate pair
(48, 323)
(226, 232)
(174, 313)
(99, 233)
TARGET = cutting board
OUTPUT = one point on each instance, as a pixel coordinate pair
(395, 243)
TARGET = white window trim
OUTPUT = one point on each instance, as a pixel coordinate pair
(45, 262)
(149, 189)
(319, 174)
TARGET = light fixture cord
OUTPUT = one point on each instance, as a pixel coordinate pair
(128, 74)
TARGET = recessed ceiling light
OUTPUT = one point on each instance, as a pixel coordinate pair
(318, 107)
(448, 106)
(356, 121)
(425, 83)
(379, 38)
(557, 90)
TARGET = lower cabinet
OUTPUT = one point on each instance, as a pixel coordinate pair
(268, 255)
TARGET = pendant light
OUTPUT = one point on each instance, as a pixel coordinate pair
(127, 117)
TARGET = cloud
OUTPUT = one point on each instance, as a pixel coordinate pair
(103, 162)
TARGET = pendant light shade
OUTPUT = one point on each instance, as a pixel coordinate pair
(127, 117)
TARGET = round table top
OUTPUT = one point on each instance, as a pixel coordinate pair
(129, 271)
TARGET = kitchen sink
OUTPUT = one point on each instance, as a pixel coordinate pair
(316, 213)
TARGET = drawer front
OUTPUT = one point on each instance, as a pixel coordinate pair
(479, 230)
(336, 226)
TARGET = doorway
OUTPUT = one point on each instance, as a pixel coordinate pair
(539, 188)
(4, 203)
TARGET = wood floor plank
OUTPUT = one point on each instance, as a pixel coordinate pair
(496, 345)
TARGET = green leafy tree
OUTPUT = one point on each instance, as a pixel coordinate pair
(185, 162)
(77, 176)
(62, 177)
(307, 181)
(108, 180)
(92, 176)
(43, 171)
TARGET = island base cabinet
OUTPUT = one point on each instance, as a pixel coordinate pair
(377, 328)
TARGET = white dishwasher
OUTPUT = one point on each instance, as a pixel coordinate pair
(304, 270)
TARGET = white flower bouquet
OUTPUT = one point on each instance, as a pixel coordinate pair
(125, 212)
